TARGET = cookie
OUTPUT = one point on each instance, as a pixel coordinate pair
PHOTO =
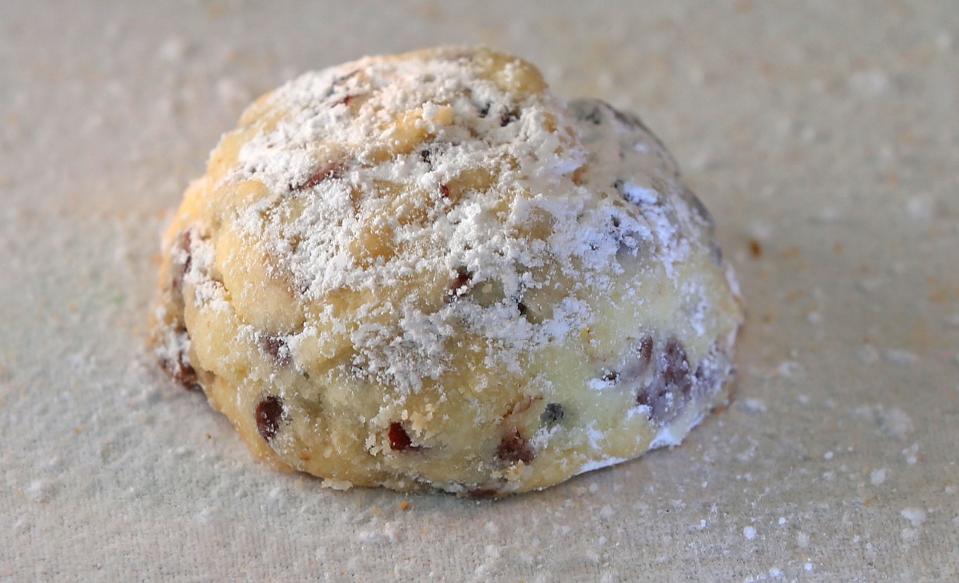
(427, 271)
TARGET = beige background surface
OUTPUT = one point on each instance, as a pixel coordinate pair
(827, 132)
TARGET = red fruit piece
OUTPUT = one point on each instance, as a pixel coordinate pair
(400, 439)
(276, 347)
(515, 448)
(268, 415)
(675, 366)
(323, 172)
(672, 385)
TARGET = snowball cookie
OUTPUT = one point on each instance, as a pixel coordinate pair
(426, 270)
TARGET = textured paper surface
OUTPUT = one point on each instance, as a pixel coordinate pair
(823, 136)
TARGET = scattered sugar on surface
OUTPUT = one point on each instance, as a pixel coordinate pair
(911, 454)
(878, 476)
(754, 406)
(39, 490)
(900, 357)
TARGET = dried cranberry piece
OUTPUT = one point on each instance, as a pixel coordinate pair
(179, 367)
(269, 413)
(666, 394)
(400, 439)
(645, 350)
(675, 369)
(276, 347)
(182, 372)
(515, 448)
(323, 172)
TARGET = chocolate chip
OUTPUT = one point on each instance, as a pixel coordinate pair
(610, 376)
(508, 116)
(399, 438)
(276, 347)
(514, 448)
(427, 157)
(521, 307)
(268, 415)
(755, 249)
(484, 110)
(459, 285)
(552, 414)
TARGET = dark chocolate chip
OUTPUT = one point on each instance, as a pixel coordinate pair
(399, 438)
(427, 157)
(514, 448)
(610, 376)
(484, 109)
(268, 415)
(508, 116)
(521, 307)
(552, 414)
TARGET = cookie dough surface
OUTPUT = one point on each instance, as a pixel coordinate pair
(425, 270)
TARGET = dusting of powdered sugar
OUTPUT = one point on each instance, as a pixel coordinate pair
(324, 167)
